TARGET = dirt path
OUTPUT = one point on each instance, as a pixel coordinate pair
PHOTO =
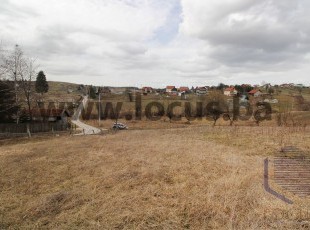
(86, 129)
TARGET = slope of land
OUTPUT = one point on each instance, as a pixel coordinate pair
(62, 92)
(192, 178)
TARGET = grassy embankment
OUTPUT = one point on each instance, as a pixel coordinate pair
(193, 178)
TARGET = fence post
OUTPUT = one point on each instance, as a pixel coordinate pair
(28, 130)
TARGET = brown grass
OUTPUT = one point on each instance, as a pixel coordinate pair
(190, 178)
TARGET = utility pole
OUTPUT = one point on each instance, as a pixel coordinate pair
(99, 112)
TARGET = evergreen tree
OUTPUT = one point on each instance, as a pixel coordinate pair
(221, 86)
(92, 92)
(8, 107)
(239, 88)
(41, 83)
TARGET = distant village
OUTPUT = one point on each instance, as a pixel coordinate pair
(58, 106)
(183, 91)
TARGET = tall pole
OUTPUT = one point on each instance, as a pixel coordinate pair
(99, 117)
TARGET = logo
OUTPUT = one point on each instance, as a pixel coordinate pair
(291, 172)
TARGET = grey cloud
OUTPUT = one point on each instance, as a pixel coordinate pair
(228, 39)
(141, 63)
(13, 11)
(133, 48)
(258, 38)
(108, 34)
(272, 32)
(56, 40)
(65, 71)
(249, 57)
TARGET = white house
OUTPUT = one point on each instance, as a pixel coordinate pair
(231, 91)
(201, 91)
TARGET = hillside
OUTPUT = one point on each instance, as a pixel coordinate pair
(193, 178)
(64, 91)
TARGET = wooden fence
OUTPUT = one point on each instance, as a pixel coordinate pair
(39, 127)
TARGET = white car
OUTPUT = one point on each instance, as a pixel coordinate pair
(119, 126)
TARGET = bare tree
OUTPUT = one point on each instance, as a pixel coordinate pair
(27, 77)
(3, 68)
(216, 106)
(12, 66)
(21, 71)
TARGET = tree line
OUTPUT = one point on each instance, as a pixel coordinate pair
(21, 85)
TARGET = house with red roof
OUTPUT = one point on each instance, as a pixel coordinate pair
(230, 91)
(255, 92)
(183, 89)
(171, 89)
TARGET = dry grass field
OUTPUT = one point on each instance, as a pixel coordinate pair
(186, 178)
(58, 91)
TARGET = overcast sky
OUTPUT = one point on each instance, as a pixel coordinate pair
(162, 42)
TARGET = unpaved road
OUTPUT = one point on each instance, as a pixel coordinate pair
(86, 129)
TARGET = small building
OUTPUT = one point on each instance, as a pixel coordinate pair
(160, 91)
(287, 85)
(170, 88)
(230, 92)
(147, 89)
(50, 115)
(174, 92)
(256, 93)
(299, 86)
(184, 89)
(201, 90)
